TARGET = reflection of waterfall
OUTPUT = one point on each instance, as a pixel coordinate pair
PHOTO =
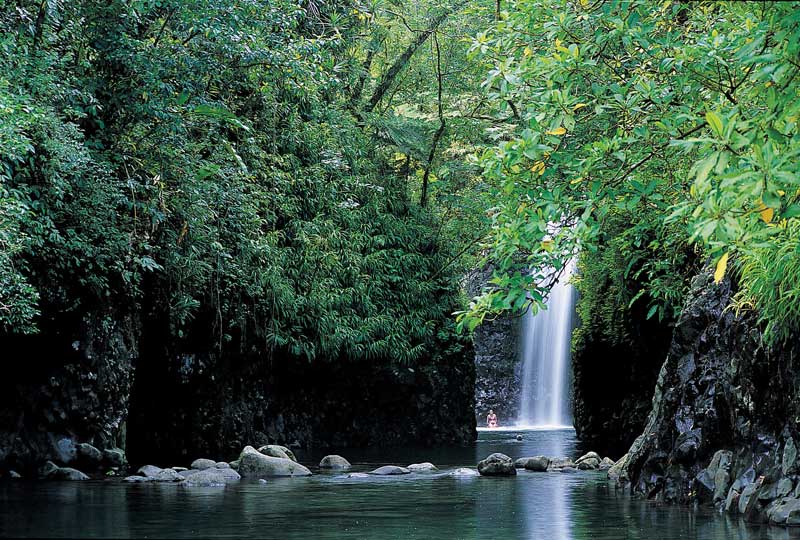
(544, 397)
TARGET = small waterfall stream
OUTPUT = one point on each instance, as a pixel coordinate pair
(545, 355)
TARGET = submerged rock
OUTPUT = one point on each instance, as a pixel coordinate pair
(390, 470)
(278, 451)
(497, 464)
(203, 464)
(358, 475)
(464, 472)
(334, 461)
(535, 463)
(422, 467)
(138, 479)
(253, 463)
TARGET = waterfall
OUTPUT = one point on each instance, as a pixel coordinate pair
(545, 355)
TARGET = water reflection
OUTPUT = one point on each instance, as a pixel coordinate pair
(547, 506)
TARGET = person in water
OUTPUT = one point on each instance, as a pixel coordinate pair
(491, 419)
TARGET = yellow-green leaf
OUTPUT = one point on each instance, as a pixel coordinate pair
(715, 122)
(558, 131)
(722, 265)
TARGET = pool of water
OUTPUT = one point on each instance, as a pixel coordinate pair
(542, 506)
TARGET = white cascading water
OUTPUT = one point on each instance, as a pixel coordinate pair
(545, 396)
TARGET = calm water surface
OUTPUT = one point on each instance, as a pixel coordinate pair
(328, 505)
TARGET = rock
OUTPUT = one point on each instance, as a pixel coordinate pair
(68, 473)
(464, 472)
(203, 464)
(253, 463)
(606, 464)
(188, 472)
(114, 457)
(278, 451)
(66, 449)
(778, 490)
(789, 458)
(179, 469)
(334, 462)
(262, 481)
(390, 470)
(748, 500)
(780, 512)
(535, 463)
(234, 465)
(137, 479)
(222, 465)
(358, 475)
(732, 501)
(559, 463)
(90, 454)
(168, 475)
(616, 470)
(14, 475)
(150, 471)
(568, 469)
(589, 461)
(48, 469)
(205, 478)
(422, 467)
(497, 464)
(519, 437)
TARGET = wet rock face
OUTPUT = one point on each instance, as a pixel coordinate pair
(498, 370)
(497, 464)
(64, 397)
(722, 428)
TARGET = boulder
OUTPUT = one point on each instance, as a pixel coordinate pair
(168, 475)
(222, 465)
(137, 479)
(114, 457)
(606, 464)
(789, 458)
(255, 464)
(179, 469)
(784, 510)
(48, 469)
(589, 461)
(205, 478)
(535, 463)
(68, 473)
(334, 462)
(390, 470)
(464, 472)
(497, 464)
(556, 464)
(203, 464)
(234, 465)
(422, 467)
(150, 471)
(278, 451)
(89, 454)
(616, 470)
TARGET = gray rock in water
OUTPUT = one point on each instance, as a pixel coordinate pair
(68, 473)
(589, 461)
(138, 479)
(179, 469)
(205, 478)
(358, 475)
(616, 470)
(222, 465)
(497, 464)
(390, 470)
(234, 465)
(464, 472)
(168, 475)
(535, 463)
(188, 472)
(748, 499)
(150, 471)
(422, 467)
(262, 481)
(48, 469)
(114, 457)
(334, 461)
(88, 453)
(556, 464)
(14, 475)
(254, 464)
(784, 510)
(606, 464)
(203, 464)
(278, 451)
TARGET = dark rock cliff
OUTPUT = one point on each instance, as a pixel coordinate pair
(498, 370)
(723, 428)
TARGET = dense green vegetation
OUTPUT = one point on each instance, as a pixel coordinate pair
(317, 176)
